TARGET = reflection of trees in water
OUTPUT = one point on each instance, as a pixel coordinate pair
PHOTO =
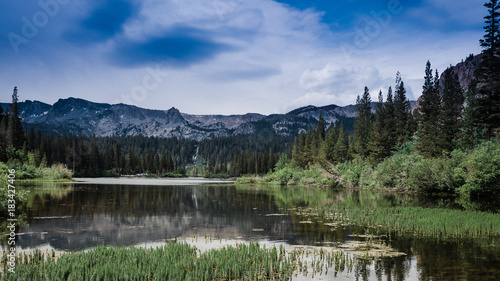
(89, 215)
(434, 260)
(471, 259)
(148, 200)
(125, 215)
(394, 269)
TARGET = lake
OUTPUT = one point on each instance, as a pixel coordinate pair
(143, 212)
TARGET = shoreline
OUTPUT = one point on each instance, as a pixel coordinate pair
(152, 181)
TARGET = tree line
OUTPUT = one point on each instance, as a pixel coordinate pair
(127, 155)
(445, 118)
(377, 133)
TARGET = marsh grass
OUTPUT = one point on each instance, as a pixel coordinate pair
(418, 221)
(178, 261)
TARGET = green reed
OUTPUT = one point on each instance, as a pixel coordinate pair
(177, 261)
(418, 221)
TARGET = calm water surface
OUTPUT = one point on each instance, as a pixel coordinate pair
(79, 216)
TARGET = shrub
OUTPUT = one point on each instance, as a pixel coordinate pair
(57, 171)
(110, 174)
(354, 170)
(481, 170)
(282, 175)
(407, 170)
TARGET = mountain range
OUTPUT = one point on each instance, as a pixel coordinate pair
(76, 116)
(82, 117)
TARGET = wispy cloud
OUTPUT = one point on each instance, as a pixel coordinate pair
(179, 47)
(230, 56)
(104, 20)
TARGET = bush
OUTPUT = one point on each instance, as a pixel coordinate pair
(110, 174)
(481, 170)
(57, 171)
(21, 196)
(287, 175)
(282, 175)
(407, 170)
(354, 171)
(393, 172)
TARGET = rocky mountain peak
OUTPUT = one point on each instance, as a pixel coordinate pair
(79, 116)
(464, 70)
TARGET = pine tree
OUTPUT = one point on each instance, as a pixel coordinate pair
(401, 112)
(428, 114)
(1, 113)
(342, 146)
(487, 106)
(390, 123)
(451, 111)
(299, 151)
(363, 124)
(491, 39)
(15, 131)
(321, 131)
(378, 136)
(3, 135)
(118, 159)
(329, 144)
(309, 148)
(95, 159)
(467, 124)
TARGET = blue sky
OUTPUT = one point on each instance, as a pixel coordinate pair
(228, 56)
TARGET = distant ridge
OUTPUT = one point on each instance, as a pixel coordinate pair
(74, 116)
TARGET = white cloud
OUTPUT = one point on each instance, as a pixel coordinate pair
(339, 84)
(283, 57)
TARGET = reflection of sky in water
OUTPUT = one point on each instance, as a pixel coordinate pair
(88, 215)
(128, 215)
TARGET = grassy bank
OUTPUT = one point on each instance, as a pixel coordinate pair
(466, 173)
(413, 221)
(286, 174)
(40, 173)
(17, 174)
(175, 261)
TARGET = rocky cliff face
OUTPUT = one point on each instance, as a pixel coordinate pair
(78, 116)
(465, 71)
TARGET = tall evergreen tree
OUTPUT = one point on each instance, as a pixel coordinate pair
(3, 135)
(309, 148)
(321, 131)
(342, 146)
(401, 112)
(452, 101)
(329, 143)
(299, 151)
(468, 128)
(390, 129)
(363, 124)
(428, 114)
(491, 38)
(1, 113)
(487, 106)
(378, 136)
(15, 131)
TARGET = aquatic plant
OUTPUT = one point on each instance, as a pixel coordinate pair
(177, 261)
(418, 221)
